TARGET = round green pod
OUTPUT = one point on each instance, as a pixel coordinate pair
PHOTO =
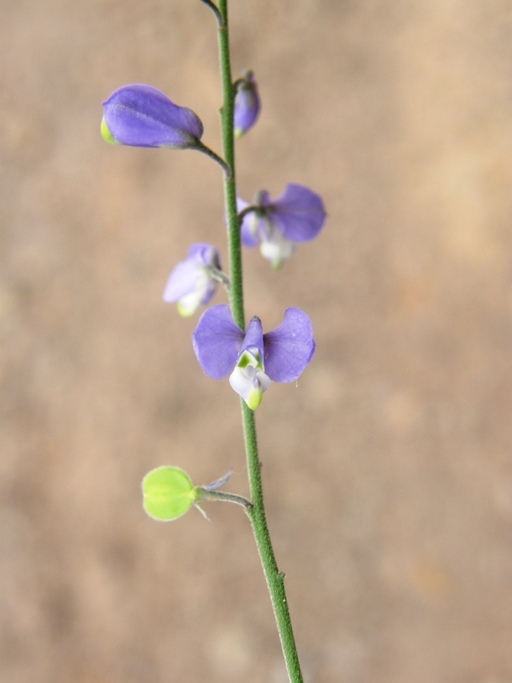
(167, 493)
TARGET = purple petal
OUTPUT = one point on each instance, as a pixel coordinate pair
(216, 341)
(254, 227)
(253, 338)
(241, 204)
(290, 347)
(247, 105)
(188, 274)
(218, 483)
(298, 213)
(205, 254)
(181, 281)
(142, 116)
(248, 232)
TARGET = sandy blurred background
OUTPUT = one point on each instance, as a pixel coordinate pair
(388, 469)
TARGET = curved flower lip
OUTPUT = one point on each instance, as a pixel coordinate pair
(142, 116)
(247, 104)
(249, 381)
(286, 351)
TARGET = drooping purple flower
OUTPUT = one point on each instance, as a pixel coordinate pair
(297, 215)
(247, 104)
(251, 358)
(192, 283)
(142, 116)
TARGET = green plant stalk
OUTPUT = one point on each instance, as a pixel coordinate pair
(274, 578)
(236, 292)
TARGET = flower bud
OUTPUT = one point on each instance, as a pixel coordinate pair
(247, 104)
(142, 116)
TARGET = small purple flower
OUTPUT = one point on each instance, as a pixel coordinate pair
(253, 359)
(142, 116)
(192, 283)
(297, 215)
(247, 104)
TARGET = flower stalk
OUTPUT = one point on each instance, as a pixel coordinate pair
(228, 143)
(256, 513)
(140, 115)
(213, 155)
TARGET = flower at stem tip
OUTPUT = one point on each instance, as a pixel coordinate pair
(252, 359)
(247, 104)
(297, 215)
(142, 116)
(194, 281)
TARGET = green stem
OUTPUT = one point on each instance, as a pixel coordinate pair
(214, 8)
(226, 497)
(274, 578)
(228, 140)
(201, 147)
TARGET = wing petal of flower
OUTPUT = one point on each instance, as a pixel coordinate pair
(216, 341)
(290, 347)
(298, 213)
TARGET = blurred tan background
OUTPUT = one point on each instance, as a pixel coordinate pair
(388, 468)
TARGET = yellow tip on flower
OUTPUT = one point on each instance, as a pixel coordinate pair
(106, 134)
(254, 399)
(185, 309)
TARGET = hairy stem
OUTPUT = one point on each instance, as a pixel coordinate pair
(228, 141)
(274, 578)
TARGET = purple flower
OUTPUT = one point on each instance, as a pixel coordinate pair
(142, 116)
(247, 104)
(253, 359)
(193, 281)
(297, 215)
